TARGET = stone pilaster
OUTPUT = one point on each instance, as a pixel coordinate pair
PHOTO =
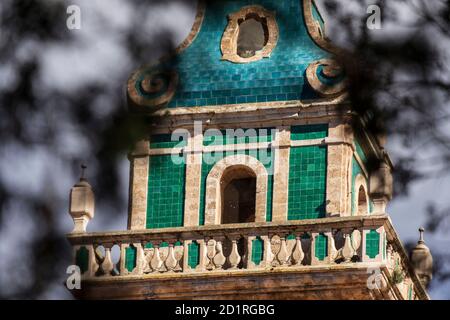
(339, 156)
(281, 174)
(139, 168)
(193, 178)
(381, 187)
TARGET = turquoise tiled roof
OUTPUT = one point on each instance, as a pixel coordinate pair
(206, 80)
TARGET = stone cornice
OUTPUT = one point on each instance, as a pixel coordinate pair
(252, 114)
(246, 107)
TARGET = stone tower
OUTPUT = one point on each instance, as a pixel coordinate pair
(251, 182)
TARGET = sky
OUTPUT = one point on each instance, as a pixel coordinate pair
(99, 56)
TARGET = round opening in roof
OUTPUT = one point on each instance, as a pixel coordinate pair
(251, 35)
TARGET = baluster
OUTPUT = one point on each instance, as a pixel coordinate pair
(248, 263)
(297, 254)
(312, 249)
(163, 254)
(268, 256)
(210, 253)
(347, 250)
(390, 257)
(171, 262)
(148, 255)
(141, 261)
(179, 254)
(156, 262)
(219, 259)
(204, 259)
(275, 244)
(283, 254)
(356, 239)
(186, 244)
(332, 251)
(234, 257)
(93, 265)
(107, 264)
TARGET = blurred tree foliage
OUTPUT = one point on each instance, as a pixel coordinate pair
(34, 114)
(398, 81)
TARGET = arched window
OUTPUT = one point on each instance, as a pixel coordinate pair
(236, 191)
(363, 207)
(238, 188)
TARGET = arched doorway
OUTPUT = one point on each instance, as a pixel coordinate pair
(238, 194)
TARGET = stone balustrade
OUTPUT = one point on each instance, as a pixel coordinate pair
(252, 246)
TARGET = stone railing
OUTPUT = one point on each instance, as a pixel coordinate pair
(368, 240)
(232, 247)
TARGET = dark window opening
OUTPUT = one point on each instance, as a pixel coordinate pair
(253, 35)
(239, 201)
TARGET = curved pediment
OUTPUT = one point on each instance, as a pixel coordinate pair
(210, 69)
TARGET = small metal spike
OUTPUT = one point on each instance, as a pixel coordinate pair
(421, 232)
(83, 169)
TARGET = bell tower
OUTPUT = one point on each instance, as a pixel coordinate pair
(251, 181)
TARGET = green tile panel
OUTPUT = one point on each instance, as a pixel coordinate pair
(193, 254)
(321, 246)
(166, 183)
(161, 141)
(307, 182)
(238, 136)
(309, 132)
(257, 250)
(130, 258)
(82, 259)
(372, 243)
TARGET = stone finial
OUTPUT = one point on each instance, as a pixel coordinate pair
(422, 260)
(421, 232)
(82, 203)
